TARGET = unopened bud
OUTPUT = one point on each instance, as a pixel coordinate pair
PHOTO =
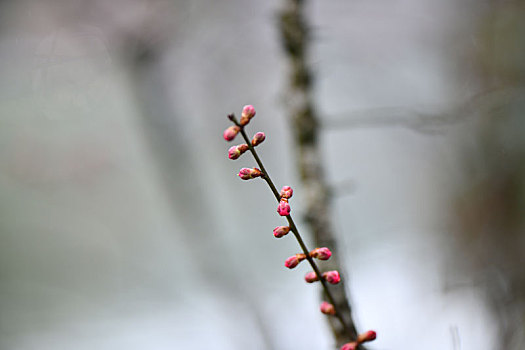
(235, 151)
(332, 277)
(258, 138)
(286, 192)
(294, 260)
(247, 173)
(281, 231)
(311, 277)
(327, 308)
(349, 346)
(366, 336)
(284, 208)
(248, 112)
(230, 133)
(321, 253)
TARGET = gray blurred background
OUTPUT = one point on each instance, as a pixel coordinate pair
(123, 225)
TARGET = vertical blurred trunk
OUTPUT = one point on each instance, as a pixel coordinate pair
(305, 125)
(491, 202)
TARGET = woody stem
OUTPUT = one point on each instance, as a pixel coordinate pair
(291, 223)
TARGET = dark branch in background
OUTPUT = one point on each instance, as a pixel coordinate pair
(407, 118)
(415, 119)
(306, 129)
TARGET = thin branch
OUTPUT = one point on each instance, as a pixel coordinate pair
(291, 223)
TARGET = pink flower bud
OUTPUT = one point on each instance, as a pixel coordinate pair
(366, 336)
(321, 253)
(281, 231)
(349, 346)
(284, 208)
(332, 277)
(361, 338)
(294, 260)
(235, 151)
(247, 173)
(258, 138)
(286, 192)
(311, 277)
(230, 133)
(248, 112)
(327, 308)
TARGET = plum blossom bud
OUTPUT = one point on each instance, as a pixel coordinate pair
(294, 260)
(258, 138)
(321, 253)
(286, 192)
(327, 308)
(230, 133)
(281, 231)
(366, 336)
(235, 151)
(248, 112)
(361, 338)
(284, 208)
(332, 277)
(247, 173)
(311, 277)
(349, 346)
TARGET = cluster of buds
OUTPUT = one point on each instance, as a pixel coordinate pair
(248, 112)
(284, 208)
(323, 253)
(332, 277)
(361, 338)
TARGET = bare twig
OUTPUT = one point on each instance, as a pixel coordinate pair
(291, 223)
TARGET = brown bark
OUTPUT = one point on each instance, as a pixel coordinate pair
(305, 125)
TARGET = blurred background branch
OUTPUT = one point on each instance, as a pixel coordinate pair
(304, 123)
(419, 119)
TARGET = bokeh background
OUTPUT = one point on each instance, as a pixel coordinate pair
(123, 225)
